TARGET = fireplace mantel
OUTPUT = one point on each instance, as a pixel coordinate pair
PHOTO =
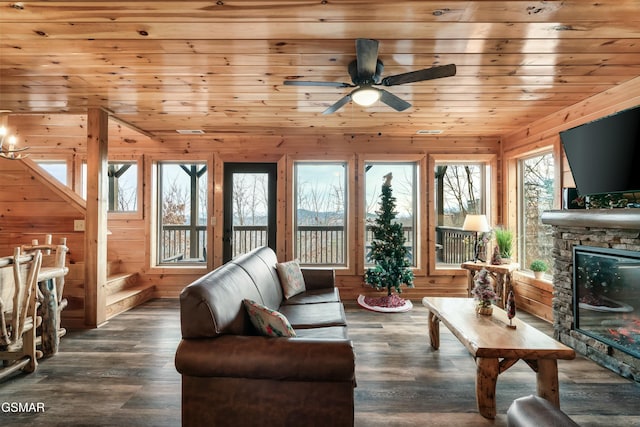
(599, 218)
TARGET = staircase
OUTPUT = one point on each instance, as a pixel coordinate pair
(124, 291)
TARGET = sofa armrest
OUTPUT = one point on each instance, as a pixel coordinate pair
(292, 359)
(316, 278)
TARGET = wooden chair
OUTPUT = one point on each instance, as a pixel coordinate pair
(18, 312)
(50, 291)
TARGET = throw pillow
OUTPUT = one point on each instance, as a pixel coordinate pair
(290, 278)
(268, 322)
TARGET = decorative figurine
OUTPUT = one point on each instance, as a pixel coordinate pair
(496, 259)
(511, 309)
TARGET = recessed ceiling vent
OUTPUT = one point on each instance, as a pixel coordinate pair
(190, 131)
(429, 132)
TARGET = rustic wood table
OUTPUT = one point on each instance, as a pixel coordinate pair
(501, 273)
(496, 347)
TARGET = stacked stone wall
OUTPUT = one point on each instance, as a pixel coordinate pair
(565, 238)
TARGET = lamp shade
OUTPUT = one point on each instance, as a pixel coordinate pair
(477, 223)
(365, 96)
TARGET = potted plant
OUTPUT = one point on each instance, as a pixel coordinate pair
(538, 267)
(504, 240)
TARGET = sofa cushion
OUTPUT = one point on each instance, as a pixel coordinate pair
(212, 305)
(328, 333)
(291, 278)
(315, 296)
(303, 316)
(264, 275)
(268, 322)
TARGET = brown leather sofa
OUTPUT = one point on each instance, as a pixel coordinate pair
(233, 377)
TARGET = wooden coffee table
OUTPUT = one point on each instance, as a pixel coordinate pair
(496, 347)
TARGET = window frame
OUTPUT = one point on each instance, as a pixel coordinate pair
(420, 216)
(46, 158)
(151, 200)
(491, 207)
(345, 205)
(520, 211)
(116, 215)
(349, 268)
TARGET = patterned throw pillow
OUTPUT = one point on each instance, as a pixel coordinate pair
(268, 322)
(291, 278)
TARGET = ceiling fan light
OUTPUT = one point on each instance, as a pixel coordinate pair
(365, 96)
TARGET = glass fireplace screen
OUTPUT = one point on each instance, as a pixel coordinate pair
(606, 297)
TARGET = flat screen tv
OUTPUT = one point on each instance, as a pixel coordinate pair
(604, 155)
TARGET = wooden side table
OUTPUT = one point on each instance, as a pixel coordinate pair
(501, 274)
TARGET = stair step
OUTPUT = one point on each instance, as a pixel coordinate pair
(125, 299)
(113, 267)
(121, 281)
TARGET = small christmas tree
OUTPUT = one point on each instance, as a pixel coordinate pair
(483, 291)
(392, 267)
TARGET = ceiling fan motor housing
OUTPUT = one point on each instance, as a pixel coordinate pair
(365, 80)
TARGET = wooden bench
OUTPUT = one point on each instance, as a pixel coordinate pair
(496, 347)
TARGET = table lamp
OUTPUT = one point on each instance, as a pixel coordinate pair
(478, 224)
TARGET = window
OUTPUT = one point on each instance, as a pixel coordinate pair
(460, 188)
(182, 213)
(56, 168)
(320, 213)
(122, 179)
(405, 190)
(123, 186)
(536, 194)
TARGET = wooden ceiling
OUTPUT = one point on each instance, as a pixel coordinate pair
(219, 66)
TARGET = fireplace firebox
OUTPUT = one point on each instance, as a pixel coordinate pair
(607, 296)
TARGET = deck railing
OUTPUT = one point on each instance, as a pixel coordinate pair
(454, 245)
(315, 244)
(184, 243)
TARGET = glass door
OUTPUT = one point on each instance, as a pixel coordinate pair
(249, 207)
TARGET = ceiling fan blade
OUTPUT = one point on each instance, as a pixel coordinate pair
(307, 83)
(338, 105)
(367, 57)
(420, 75)
(393, 101)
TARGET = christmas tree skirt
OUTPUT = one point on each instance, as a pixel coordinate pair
(386, 304)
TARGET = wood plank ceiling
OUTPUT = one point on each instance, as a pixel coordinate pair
(219, 66)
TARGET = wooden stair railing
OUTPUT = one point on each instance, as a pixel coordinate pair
(18, 316)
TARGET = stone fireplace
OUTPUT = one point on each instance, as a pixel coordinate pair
(592, 228)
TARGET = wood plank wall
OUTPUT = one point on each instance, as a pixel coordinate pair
(29, 210)
(65, 136)
(531, 294)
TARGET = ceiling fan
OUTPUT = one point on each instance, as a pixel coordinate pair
(365, 72)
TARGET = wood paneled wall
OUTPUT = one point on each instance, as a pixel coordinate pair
(33, 205)
(66, 135)
(129, 238)
(535, 295)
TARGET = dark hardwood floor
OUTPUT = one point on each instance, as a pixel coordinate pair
(122, 374)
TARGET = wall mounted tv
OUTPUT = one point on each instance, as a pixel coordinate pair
(604, 155)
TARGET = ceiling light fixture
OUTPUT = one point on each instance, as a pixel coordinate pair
(10, 151)
(365, 96)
